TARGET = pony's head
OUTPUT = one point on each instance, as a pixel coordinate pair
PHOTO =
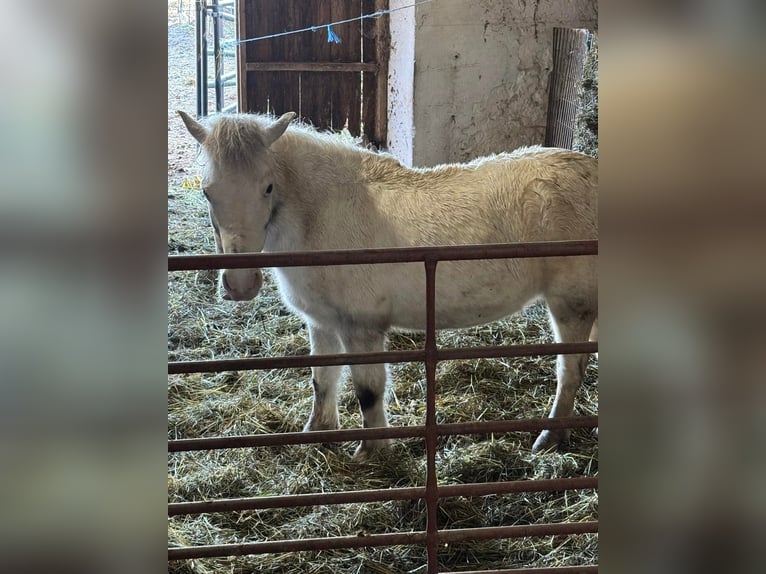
(239, 185)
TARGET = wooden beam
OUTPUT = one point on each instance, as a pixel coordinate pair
(382, 49)
(311, 67)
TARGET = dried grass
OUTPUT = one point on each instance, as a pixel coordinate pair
(202, 326)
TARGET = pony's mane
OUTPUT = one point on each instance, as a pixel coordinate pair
(235, 139)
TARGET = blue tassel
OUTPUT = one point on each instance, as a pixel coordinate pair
(332, 37)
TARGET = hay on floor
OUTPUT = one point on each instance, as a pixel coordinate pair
(202, 326)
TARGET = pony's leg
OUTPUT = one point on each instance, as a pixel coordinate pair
(324, 414)
(369, 385)
(572, 321)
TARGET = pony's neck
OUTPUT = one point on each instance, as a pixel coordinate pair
(310, 172)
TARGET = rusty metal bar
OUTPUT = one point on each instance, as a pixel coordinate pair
(517, 531)
(411, 356)
(295, 500)
(253, 363)
(526, 425)
(430, 355)
(541, 485)
(506, 351)
(335, 543)
(432, 431)
(379, 495)
(281, 439)
(383, 255)
(374, 540)
(592, 569)
(313, 437)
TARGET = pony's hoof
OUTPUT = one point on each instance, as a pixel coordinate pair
(318, 425)
(365, 450)
(550, 440)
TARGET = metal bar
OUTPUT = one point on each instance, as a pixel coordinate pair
(217, 33)
(590, 569)
(432, 432)
(394, 539)
(328, 436)
(518, 425)
(541, 485)
(336, 543)
(228, 81)
(383, 255)
(243, 103)
(201, 58)
(517, 531)
(379, 495)
(281, 439)
(505, 351)
(430, 355)
(294, 500)
(410, 356)
(252, 363)
(226, 53)
(229, 77)
(311, 67)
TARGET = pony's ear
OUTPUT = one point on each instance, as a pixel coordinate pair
(278, 128)
(195, 128)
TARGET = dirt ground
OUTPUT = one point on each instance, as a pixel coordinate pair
(181, 96)
(182, 88)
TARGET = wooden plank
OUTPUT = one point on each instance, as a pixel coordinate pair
(382, 48)
(322, 81)
(258, 92)
(276, 92)
(263, 18)
(375, 85)
(347, 86)
(347, 102)
(354, 106)
(316, 99)
(311, 67)
(368, 79)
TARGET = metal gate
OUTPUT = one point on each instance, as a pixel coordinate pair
(210, 18)
(334, 77)
(432, 537)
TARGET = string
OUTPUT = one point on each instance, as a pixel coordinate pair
(331, 35)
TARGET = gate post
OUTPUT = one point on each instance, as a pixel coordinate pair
(201, 32)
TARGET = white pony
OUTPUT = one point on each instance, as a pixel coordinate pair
(271, 187)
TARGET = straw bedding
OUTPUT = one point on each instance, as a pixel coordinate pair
(202, 326)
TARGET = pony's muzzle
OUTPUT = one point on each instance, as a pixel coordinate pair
(241, 284)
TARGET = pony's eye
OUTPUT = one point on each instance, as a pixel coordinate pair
(269, 189)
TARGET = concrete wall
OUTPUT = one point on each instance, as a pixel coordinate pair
(480, 75)
(401, 78)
